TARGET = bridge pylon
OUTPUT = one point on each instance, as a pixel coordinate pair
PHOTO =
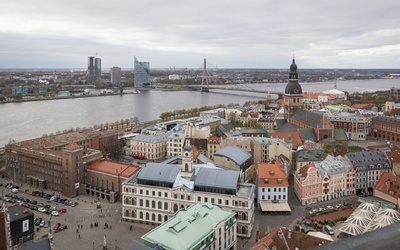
(204, 79)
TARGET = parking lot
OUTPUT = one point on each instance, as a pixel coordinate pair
(82, 225)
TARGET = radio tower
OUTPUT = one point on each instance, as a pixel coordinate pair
(204, 79)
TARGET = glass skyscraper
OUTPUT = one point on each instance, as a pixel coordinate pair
(94, 69)
(141, 72)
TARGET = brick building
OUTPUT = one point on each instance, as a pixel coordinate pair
(385, 128)
(58, 162)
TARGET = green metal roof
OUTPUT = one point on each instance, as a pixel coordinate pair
(315, 155)
(188, 228)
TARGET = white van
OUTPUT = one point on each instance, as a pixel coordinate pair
(14, 190)
(329, 230)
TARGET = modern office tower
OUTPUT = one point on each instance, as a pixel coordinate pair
(141, 73)
(97, 68)
(90, 71)
(94, 69)
(115, 75)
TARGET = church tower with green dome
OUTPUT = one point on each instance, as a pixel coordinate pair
(293, 96)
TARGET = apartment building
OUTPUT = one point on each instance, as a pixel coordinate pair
(338, 177)
(272, 183)
(307, 184)
(150, 147)
(332, 178)
(213, 145)
(175, 143)
(369, 166)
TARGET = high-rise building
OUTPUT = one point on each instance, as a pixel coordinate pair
(97, 68)
(141, 72)
(115, 75)
(94, 69)
(90, 69)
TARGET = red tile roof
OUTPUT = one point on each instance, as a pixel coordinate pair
(296, 240)
(274, 173)
(112, 167)
(389, 184)
(294, 136)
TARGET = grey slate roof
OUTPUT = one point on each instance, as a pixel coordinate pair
(310, 155)
(159, 172)
(236, 154)
(287, 127)
(310, 118)
(387, 119)
(307, 134)
(368, 159)
(152, 138)
(333, 165)
(217, 178)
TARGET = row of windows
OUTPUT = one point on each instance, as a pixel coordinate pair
(269, 189)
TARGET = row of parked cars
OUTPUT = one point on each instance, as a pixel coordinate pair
(54, 198)
(327, 208)
(32, 204)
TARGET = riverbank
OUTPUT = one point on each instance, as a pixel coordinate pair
(50, 98)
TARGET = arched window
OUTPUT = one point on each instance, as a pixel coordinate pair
(186, 167)
(159, 205)
(141, 203)
(165, 217)
(147, 203)
(175, 207)
(147, 216)
(127, 213)
(141, 215)
(153, 217)
(159, 218)
(165, 205)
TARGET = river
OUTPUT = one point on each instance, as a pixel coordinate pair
(26, 120)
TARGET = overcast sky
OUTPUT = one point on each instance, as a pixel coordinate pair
(181, 33)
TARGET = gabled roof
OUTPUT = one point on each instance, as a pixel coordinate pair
(340, 134)
(294, 136)
(389, 184)
(272, 175)
(312, 119)
(367, 159)
(307, 134)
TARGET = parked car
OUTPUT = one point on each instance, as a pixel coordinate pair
(37, 221)
(46, 224)
(55, 213)
(41, 223)
(62, 210)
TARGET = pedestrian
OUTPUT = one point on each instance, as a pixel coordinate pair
(79, 235)
(77, 230)
(130, 228)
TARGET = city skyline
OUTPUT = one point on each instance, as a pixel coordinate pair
(234, 34)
